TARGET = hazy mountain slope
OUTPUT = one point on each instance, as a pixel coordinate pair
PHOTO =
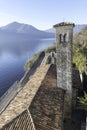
(81, 37)
(51, 30)
(77, 28)
(20, 28)
(24, 30)
(18, 32)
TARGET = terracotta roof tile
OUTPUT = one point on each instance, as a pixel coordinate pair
(24, 98)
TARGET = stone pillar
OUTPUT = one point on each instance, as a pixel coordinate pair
(64, 36)
(53, 57)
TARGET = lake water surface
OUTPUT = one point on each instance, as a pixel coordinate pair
(13, 57)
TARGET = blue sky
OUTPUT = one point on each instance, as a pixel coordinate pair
(43, 14)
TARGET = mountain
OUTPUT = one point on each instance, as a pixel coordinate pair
(77, 28)
(19, 31)
(81, 37)
(51, 30)
(20, 28)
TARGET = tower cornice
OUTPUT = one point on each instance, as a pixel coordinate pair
(64, 24)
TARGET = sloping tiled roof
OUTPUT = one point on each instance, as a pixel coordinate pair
(44, 76)
(24, 98)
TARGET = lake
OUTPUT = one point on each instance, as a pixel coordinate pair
(13, 57)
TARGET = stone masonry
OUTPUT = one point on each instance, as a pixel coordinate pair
(64, 36)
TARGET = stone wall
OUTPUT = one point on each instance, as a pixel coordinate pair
(64, 37)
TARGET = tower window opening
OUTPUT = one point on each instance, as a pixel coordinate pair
(64, 37)
(61, 38)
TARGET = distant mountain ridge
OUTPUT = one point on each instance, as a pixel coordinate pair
(26, 28)
(81, 37)
(77, 28)
(20, 30)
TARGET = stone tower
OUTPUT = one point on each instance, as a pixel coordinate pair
(64, 36)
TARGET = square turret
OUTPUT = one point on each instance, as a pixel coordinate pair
(64, 37)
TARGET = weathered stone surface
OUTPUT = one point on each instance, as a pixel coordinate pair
(64, 24)
(64, 37)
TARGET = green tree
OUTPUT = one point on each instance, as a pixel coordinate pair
(83, 101)
(79, 57)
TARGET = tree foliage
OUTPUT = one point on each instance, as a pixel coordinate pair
(30, 62)
(83, 101)
(80, 49)
(79, 57)
(81, 37)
